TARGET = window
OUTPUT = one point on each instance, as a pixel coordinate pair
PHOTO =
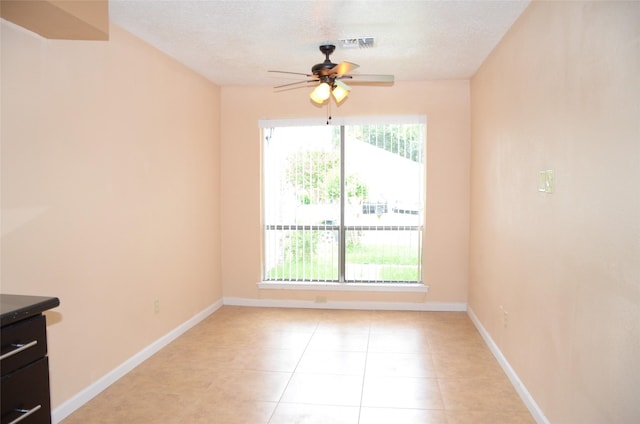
(343, 203)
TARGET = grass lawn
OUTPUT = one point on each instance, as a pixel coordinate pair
(391, 263)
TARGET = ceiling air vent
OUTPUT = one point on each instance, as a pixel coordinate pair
(358, 42)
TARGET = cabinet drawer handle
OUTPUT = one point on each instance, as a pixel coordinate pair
(25, 413)
(20, 348)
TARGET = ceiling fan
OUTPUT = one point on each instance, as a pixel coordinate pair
(330, 75)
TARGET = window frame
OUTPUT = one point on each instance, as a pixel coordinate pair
(342, 283)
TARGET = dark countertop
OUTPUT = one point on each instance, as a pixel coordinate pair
(14, 307)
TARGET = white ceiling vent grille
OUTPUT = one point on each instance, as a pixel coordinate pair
(356, 43)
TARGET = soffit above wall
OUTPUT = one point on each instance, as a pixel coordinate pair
(55, 19)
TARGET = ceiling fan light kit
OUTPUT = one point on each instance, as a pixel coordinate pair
(329, 75)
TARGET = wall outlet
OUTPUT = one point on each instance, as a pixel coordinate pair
(505, 317)
(156, 307)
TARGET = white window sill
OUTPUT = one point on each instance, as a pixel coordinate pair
(331, 286)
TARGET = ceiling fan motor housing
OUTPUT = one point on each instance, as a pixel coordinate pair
(332, 74)
(322, 69)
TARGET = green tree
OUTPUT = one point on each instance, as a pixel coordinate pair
(354, 188)
(310, 174)
(315, 176)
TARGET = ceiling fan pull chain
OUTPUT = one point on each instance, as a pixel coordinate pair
(329, 112)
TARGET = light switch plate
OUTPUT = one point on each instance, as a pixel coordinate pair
(542, 181)
(550, 183)
(546, 181)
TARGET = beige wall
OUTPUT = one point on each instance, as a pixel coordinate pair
(562, 92)
(446, 105)
(110, 195)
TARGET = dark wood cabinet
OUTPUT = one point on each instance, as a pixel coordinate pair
(24, 365)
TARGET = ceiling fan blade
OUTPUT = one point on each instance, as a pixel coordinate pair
(294, 73)
(295, 83)
(369, 78)
(343, 68)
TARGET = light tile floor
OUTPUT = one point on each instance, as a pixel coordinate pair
(283, 366)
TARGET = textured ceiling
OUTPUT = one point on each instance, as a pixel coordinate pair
(236, 42)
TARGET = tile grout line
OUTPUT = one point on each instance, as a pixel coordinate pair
(293, 373)
(364, 372)
(436, 373)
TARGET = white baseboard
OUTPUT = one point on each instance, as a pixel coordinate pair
(310, 304)
(84, 396)
(526, 397)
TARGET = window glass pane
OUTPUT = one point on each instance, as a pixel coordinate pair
(384, 184)
(301, 203)
(382, 178)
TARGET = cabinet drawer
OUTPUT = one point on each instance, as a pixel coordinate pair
(26, 392)
(22, 343)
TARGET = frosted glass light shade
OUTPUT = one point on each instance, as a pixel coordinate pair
(340, 91)
(321, 93)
